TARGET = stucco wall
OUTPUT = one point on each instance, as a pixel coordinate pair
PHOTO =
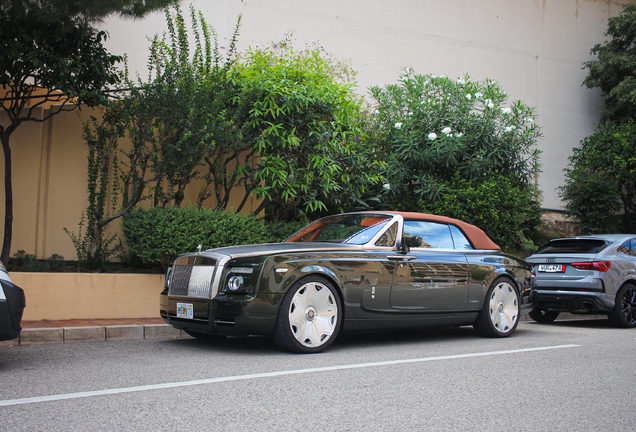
(49, 161)
(60, 296)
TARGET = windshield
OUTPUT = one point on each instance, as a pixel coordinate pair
(355, 229)
(589, 246)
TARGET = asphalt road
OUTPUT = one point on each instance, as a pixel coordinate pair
(567, 376)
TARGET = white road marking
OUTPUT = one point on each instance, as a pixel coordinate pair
(58, 397)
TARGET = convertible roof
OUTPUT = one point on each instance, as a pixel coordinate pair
(475, 235)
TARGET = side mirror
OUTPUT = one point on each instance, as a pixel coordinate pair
(409, 241)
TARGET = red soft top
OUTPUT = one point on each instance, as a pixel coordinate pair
(475, 235)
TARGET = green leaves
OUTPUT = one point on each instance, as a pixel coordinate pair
(432, 128)
(308, 127)
(600, 180)
(615, 69)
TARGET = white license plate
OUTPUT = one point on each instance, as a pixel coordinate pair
(184, 310)
(551, 268)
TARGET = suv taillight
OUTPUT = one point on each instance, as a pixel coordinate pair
(601, 266)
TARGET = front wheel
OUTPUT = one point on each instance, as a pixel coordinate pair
(543, 316)
(499, 316)
(624, 312)
(309, 317)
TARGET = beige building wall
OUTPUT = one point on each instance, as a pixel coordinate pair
(534, 48)
(50, 184)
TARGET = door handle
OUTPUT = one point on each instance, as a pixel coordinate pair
(401, 257)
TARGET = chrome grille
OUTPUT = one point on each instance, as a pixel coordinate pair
(192, 280)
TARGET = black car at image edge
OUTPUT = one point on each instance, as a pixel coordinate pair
(12, 304)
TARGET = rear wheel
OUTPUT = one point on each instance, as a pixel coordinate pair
(543, 316)
(624, 312)
(499, 316)
(309, 317)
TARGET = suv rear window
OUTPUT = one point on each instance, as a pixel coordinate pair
(573, 246)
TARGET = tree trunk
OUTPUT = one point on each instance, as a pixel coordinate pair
(8, 199)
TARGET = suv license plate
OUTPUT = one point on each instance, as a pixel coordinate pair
(184, 310)
(551, 268)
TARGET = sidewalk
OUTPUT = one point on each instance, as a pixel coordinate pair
(93, 330)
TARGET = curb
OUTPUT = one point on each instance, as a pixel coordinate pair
(40, 336)
(62, 335)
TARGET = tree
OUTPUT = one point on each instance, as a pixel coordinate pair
(172, 121)
(614, 71)
(298, 111)
(86, 11)
(52, 55)
(42, 63)
(600, 190)
(600, 187)
(440, 136)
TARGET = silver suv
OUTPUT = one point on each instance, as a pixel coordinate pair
(586, 275)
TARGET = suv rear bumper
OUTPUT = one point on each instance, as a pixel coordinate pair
(574, 301)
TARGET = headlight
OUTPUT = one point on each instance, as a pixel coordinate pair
(235, 282)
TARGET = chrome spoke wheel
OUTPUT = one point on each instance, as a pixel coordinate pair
(313, 314)
(503, 307)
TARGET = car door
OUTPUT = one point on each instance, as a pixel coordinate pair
(435, 276)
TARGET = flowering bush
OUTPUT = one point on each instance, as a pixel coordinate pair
(433, 128)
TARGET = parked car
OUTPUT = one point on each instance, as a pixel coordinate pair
(587, 275)
(355, 272)
(12, 304)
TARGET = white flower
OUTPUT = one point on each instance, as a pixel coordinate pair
(410, 113)
(469, 96)
(459, 135)
(461, 81)
(446, 130)
(387, 186)
(506, 110)
(376, 112)
(398, 125)
(432, 136)
(528, 120)
(489, 103)
(509, 128)
(478, 95)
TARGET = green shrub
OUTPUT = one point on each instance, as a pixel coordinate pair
(600, 180)
(503, 208)
(158, 235)
(28, 263)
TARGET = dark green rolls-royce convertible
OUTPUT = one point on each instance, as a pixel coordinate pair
(353, 272)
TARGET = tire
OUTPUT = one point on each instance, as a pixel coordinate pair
(499, 316)
(543, 316)
(205, 336)
(309, 317)
(623, 314)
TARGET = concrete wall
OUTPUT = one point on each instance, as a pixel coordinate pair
(62, 296)
(534, 48)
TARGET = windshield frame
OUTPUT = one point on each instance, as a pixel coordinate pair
(386, 219)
